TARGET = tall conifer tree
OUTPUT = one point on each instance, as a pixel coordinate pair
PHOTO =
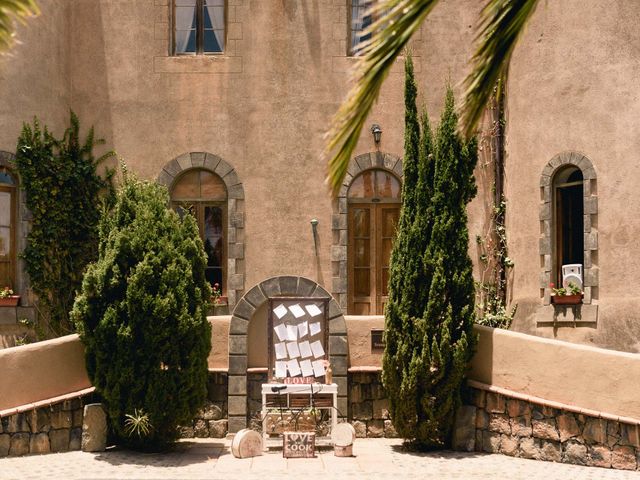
(448, 343)
(406, 292)
(429, 315)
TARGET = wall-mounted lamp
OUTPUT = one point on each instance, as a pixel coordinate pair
(377, 133)
(314, 231)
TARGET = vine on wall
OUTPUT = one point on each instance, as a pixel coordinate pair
(65, 196)
(491, 289)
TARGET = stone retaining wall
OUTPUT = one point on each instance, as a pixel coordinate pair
(52, 428)
(211, 420)
(369, 406)
(496, 423)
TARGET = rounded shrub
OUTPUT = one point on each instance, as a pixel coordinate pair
(141, 315)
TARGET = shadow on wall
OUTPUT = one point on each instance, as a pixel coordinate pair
(90, 84)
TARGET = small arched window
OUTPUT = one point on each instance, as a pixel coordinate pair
(8, 193)
(204, 195)
(373, 210)
(568, 198)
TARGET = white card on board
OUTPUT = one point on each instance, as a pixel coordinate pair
(293, 350)
(280, 311)
(318, 368)
(296, 310)
(281, 369)
(316, 348)
(281, 331)
(303, 329)
(314, 328)
(305, 349)
(292, 333)
(313, 309)
(294, 368)
(281, 351)
(307, 368)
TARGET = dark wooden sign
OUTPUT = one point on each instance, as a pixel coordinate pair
(299, 444)
(377, 339)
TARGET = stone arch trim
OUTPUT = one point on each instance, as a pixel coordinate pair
(339, 223)
(293, 286)
(235, 206)
(590, 268)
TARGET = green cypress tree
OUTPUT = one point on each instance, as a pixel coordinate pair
(429, 316)
(449, 341)
(141, 315)
(406, 282)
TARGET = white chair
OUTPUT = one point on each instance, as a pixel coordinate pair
(572, 273)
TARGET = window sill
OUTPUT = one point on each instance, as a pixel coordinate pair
(580, 315)
(209, 64)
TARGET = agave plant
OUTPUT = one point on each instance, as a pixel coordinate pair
(10, 11)
(500, 25)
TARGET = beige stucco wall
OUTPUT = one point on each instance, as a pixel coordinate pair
(359, 338)
(263, 107)
(41, 371)
(219, 354)
(573, 86)
(34, 74)
(578, 375)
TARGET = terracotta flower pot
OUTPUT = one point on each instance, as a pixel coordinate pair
(567, 299)
(11, 301)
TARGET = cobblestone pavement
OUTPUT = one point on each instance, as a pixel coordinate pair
(212, 459)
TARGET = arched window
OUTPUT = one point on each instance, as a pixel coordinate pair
(568, 212)
(204, 194)
(8, 199)
(373, 210)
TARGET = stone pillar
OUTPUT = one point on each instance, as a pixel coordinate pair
(94, 428)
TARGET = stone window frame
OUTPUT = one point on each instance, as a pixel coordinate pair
(339, 220)
(23, 227)
(172, 171)
(590, 269)
(282, 286)
(228, 62)
(199, 7)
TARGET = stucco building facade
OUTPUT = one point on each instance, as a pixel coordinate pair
(237, 134)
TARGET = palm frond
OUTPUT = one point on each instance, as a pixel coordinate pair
(10, 11)
(502, 22)
(397, 21)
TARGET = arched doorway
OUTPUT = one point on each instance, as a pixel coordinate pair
(248, 313)
(373, 210)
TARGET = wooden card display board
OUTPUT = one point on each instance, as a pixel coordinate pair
(298, 337)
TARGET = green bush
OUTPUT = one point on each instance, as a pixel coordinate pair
(141, 315)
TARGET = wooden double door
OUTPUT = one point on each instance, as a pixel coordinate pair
(372, 229)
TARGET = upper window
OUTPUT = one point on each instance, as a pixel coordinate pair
(204, 195)
(198, 27)
(360, 21)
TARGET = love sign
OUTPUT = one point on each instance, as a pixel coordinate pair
(299, 445)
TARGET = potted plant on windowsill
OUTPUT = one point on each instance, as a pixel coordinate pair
(571, 295)
(8, 299)
(219, 303)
